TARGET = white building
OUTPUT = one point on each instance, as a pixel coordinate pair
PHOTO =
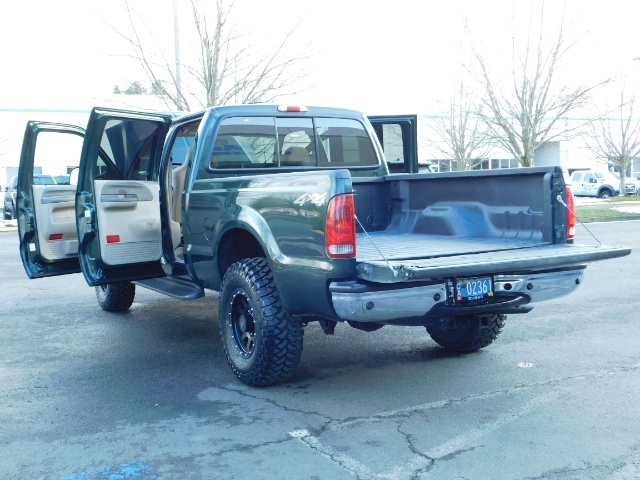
(568, 152)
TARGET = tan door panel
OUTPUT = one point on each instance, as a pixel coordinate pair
(128, 221)
(55, 213)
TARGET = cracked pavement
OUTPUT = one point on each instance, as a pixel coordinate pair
(147, 394)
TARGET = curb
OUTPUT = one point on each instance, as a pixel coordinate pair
(8, 225)
(608, 219)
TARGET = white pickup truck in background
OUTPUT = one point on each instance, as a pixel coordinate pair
(632, 186)
(587, 183)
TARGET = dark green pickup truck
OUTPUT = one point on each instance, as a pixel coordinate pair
(292, 214)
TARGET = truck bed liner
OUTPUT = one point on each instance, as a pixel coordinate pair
(396, 246)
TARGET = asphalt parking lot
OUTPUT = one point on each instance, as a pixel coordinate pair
(147, 394)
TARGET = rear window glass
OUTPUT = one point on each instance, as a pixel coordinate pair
(295, 137)
(245, 142)
(291, 142)
(43, 180)
(344, 142)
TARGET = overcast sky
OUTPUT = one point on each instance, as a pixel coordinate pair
(396, 56)
(369, 55)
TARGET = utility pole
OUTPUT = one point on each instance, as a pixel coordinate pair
(176, 33)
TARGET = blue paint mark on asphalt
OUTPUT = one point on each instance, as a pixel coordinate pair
(136, 471)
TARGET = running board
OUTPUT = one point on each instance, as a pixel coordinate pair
(174, 287)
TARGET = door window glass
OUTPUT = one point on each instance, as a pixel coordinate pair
(393, 146)
(56, 155)
(126, 149)
(182, 142)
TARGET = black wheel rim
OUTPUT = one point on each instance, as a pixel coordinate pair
(243, 327)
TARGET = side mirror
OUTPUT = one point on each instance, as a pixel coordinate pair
(593, 180)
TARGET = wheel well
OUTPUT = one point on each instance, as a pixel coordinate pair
(235, 245)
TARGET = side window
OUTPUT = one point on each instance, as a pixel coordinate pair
(183, 140)
(295, 137)
(55, 156)
(577, 177)
(245, 142)
(393, 146)
(344, 143)
(126, 148)
(589, 178)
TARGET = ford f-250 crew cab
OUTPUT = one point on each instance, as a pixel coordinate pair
(292, 215)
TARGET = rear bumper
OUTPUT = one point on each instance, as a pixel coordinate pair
(365, 302)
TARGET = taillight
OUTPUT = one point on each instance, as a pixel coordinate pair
(571, 214)
(340, 227)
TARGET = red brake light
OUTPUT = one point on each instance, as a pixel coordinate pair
(340, 227)
(571, 215)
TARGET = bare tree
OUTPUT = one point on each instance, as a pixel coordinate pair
(462, 134)
(617, 137)
(226, 68)
(526, 115)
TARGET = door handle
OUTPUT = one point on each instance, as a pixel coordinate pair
(119, 198)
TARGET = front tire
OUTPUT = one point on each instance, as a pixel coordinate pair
(262, 342)
(116, 297)
(467, 333)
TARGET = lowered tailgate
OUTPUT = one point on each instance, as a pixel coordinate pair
(391, 258)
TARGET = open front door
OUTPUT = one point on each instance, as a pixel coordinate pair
(398, 135)
(118, 204)
(45, 198)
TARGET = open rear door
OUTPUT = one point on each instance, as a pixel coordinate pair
(45, 198)
(118, 205)
(398, 135)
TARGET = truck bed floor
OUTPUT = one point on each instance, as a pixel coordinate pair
(396, 246)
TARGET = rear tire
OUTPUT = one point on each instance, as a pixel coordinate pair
(262, 342)
(467, 333)
(116, 297)
(605, 193)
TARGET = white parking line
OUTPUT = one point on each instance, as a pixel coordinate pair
(470, 436)
(346, 462)
(447, 448)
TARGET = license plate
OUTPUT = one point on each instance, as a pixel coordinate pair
(470, 289)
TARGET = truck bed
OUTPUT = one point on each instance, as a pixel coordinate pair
(462, 224)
